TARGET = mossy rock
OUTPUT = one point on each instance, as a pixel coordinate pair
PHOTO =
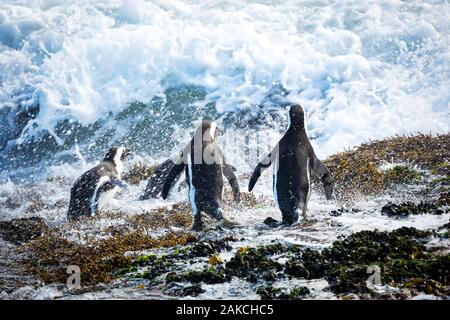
(409, 208)
(252, 262)
(308, 264)
(444, 181)
(428, 286)
(348, 279)
(183, 290)
(401, 270)
(373, 246)
(209, 275)
(22, 230)
(444, 199)
(271, 293)
(356, 172)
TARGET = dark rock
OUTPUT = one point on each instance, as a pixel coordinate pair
(209, 275)
(182, 290)
(256, 261)
(297, 269)
(340, 211)
(207, 248)
(345, 279)
(271, 222)
(444, 199)
(308, 264)
(409, 208)
(336, 213)
(271, 293)
(372, 246)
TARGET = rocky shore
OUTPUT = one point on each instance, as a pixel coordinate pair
(156, 250)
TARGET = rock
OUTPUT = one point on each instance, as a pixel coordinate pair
(348, 279)
(340, 211)
(444, 199)
(271, 293)
(182, 290)
(271, 222)
(208, 275)
(22, 230)
(336, 213)
(207, 248)
(409, 208)
(308, 264)
(244, 263)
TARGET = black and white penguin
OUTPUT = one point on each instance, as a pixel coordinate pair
(293, 159)
(156, 182)
(204, 165)
(98, 185)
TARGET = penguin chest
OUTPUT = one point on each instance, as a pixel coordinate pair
(106, 197)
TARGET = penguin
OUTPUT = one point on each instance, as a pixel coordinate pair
(98, 185)
(155, 183)
(293, 160)
(204, 166)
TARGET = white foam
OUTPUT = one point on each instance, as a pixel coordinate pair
(362, 71)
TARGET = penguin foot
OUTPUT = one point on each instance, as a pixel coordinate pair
(198, 226)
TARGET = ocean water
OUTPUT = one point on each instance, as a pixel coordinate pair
(79, 76)
(96, 73)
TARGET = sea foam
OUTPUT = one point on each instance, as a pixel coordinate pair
(362, 70)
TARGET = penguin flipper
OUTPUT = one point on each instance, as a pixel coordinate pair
(118, 183)
(322, 171)
(263, 165)
(228, 172)
(170, 179)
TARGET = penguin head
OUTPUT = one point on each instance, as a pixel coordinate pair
(208, 130)
(117, 155)
(297, 116)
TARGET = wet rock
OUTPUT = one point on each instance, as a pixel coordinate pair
(308, 264)
(271, 293)
(336, 213)
(253, 262)
(399, 254)
(340, 211)
(271, 222)
(183, 290)
(444, 199)
(428, 268)
(173, 277)
(445, 227)
(297, 269)
(428, 286)
(346, 279)
(409, 208)
(208, 275)
(22, 230)
(158, 267)
(372, 246)
(357, 172)
(208, 247)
